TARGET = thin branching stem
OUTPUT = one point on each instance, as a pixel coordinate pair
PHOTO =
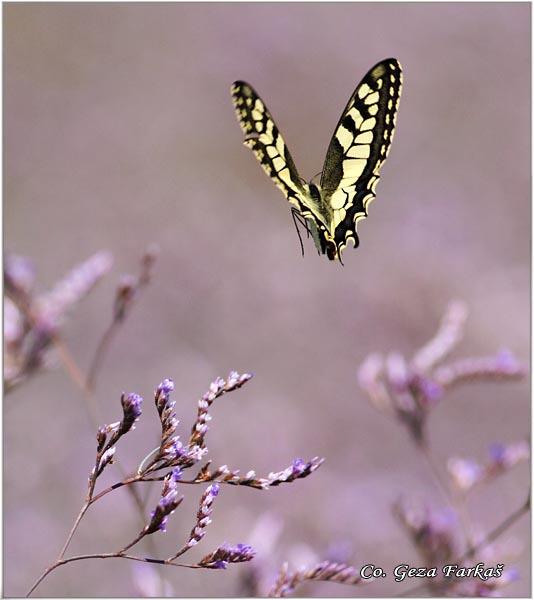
(119, 554)
(100, 352)
(77, 376)
(449, 497)
(79, 379)
(498, 531)
(73, 529)
(107, 438)
(491, 537)
(121, 312)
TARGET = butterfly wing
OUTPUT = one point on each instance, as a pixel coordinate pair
(358, 148)
(264, 139)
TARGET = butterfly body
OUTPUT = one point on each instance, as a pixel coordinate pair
(360, 144)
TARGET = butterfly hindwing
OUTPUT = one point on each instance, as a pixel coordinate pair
(358, 148)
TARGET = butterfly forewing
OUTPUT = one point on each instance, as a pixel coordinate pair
(358, 148)
(264, 139)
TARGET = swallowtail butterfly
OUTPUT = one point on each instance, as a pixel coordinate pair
(331, 209)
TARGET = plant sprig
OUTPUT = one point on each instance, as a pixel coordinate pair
(167, 464)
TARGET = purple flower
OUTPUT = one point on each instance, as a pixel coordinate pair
(131, 406)
(166, 506)
(160, 516)
(507, 362)
(465, 472)
(298, 466)
(162, 526)
(166, 386)
(506, 456)
(397, 373)
(133, 403)
(430, 390)
(226, 554)
(167, 500)
(176, 474)
(19, 273)
(174, 449)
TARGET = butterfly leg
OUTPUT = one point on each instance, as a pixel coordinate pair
(296, 220)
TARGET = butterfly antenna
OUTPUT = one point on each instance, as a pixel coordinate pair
(315, 176)
(296, 220)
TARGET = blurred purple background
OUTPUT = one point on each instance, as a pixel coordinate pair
(119, 131)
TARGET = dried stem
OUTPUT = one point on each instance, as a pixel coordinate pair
(73, 530)
(178, 460)
(77, 376)
(119, 554)
(288, 581)
(449, 497)
(99, 354)
(499, 530)
(491, 537)
(65, 355)
(127, 293)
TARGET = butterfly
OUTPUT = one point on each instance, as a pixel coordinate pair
(331, 208)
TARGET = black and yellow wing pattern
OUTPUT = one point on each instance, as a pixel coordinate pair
(351, 170)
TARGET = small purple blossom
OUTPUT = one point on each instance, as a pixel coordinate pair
(299, 466)
(165, 507)
(506, 456)
(131, 406)
(398, 374)
(506, 362)
(174, 449)
(465, 473)
(105, 460)
(166, 386)
(430, 390)
(410, 389)
(432, 531)
(74, 286)
(226, 554)
(296, 470)
(287, 581)
(176, 474)
(205, 509)
(19, 273)
(217, 388)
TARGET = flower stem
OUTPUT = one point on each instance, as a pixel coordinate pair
(491, 537)
(119, 554)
